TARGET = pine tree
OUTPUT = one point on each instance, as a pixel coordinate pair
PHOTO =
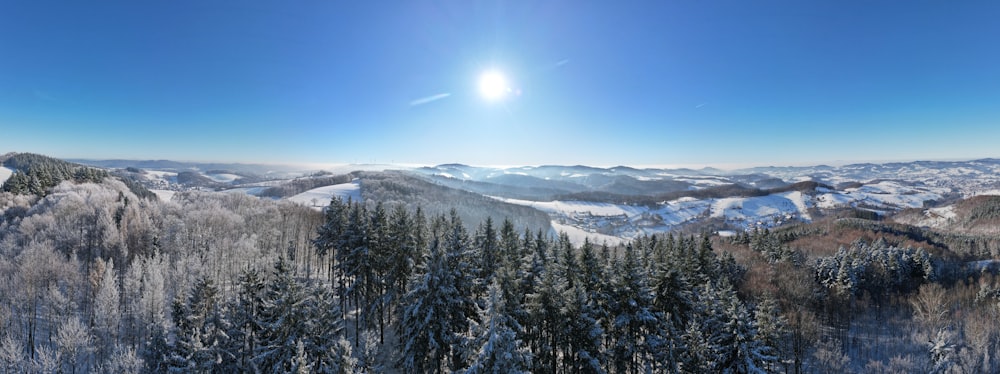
(772, 331)
(434, 319)
(377, 281)
(497, 348)
(403, 256)
(584, 335)
(744, 351)
(489, 259)
(282, 318)
(635, 323)
(329, 235)
(201, 325)
(324, 343)
(246, 331)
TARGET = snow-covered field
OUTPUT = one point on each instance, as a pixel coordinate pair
(164, 195)
(753, 209)
(223, 178)
(5, 173)
(886, 194)
(159, 175)
(604, 221)
(577, 235)
(570, 207)
(319, 198)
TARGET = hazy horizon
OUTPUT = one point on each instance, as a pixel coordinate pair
(320, 165)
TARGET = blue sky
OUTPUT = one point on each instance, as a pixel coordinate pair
(592, 82)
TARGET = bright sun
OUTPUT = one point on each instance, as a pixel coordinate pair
(493, 85)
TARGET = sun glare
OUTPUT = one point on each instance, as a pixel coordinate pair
(493, 85)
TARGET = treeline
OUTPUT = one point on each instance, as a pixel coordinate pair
(37, 174)
(494, 300)
(966, 247)
(402, 188)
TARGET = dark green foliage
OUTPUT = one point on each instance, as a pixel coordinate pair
(195, 179)
(36, 174)
(393, 187)
(876, 268)
(988, 208)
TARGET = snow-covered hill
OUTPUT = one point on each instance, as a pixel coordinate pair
(319, 198)
(620, 203)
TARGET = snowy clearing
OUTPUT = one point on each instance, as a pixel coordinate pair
(223, 178)
(571, 207)
(164, 195)
(577, 235)
(160, 175)
(319, 198)
(5, 173)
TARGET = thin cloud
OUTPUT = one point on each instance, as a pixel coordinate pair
(428, 99)
(700, 105)
(562, 62)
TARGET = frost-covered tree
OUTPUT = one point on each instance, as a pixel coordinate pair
(282, 317)
(497, 348)
(74, 343)
(772, 331)
(583, 332)
(634, 323)
(107, 314)
(330, 235)
(13, 357)
(122, 360)
(545, 306)
(434, 318)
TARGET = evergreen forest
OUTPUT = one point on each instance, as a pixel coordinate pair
(97, 278)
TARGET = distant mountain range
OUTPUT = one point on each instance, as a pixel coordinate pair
(611, 204)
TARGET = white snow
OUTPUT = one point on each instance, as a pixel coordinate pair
(800, 202)
(704, 182)
(319, 198)
(164, 195)
(5, 173)
(937, 217)
(570, 207)
(833, 200)
(577, 235)
(223, 178)
(887, 194)
(987, 192)
(753, 208)
(159, 175)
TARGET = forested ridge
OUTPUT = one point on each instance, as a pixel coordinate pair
(36, 174)
(98, 279)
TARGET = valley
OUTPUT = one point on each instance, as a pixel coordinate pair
(619, 204)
